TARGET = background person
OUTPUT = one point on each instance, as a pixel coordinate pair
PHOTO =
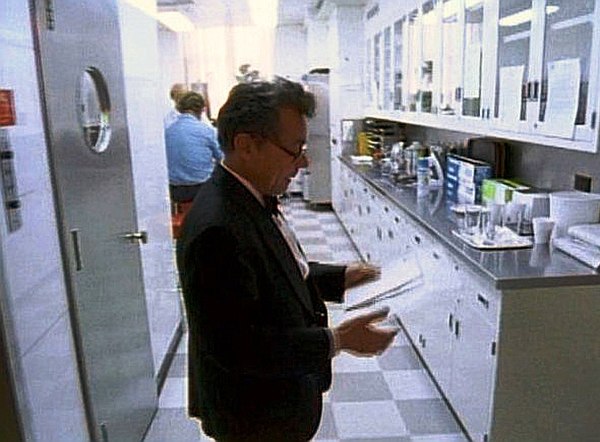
(260, 348)
(192, 149)
(177, 91)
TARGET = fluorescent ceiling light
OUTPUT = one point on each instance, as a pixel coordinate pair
(473, 3)
(175, 21)
(523, 16)
(264, 12)
(450, 8)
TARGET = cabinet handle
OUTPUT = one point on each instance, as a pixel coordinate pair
(457, 328)
(483, 300)
(435, 255)
(386, 209)
(487, 113)
(390, 234)
(368, 209)
(458, 93)
(77, 249)
(526, 91)
(417, 239)
(450, 321)
(593, 123)
(536, 90)
(396, 219)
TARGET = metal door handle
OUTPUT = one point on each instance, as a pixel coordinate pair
(77, 249)
(139, 237)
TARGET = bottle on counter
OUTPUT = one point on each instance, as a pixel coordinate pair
(423, 171)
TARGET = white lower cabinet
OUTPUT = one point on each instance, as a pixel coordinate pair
(448, 316)
(473, 363)
(517, 365)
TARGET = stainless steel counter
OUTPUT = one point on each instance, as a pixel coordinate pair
(539, 266)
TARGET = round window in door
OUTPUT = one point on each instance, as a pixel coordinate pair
(93, 109)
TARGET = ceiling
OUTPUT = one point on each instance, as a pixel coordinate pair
(207, 13)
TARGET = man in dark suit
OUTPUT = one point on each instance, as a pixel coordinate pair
(259, 346)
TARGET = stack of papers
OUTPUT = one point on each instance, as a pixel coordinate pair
(397, 277)
(361, 159)
(582, 243)
(583, 251)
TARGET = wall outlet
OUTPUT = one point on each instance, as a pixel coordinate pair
(582, 182)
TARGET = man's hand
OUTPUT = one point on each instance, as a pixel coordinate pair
(361, 337)
(359, 272)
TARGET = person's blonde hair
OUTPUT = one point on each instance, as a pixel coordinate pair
(177, 91)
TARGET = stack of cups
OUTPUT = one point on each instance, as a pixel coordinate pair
(542, 230)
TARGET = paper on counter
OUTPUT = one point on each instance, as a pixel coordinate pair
(580, 250)
(511, 83)
(589, 233)
(563, 97)
(396, 277)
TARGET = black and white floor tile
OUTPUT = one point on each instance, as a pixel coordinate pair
(389, 398)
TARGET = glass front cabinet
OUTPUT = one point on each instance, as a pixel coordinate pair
(518, 69)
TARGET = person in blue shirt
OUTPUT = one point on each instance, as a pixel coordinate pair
(192, 149)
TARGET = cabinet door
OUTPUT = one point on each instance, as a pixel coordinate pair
(399, 64)
(566, 85)
(388, 97)
(473, 58)
(451, 58)
(513, 66)
(473, 366)
(435, 338)
(547, 63)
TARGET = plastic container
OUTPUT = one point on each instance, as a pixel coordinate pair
(569, 208)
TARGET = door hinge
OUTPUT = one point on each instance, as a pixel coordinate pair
(50, 23)
(493, 348)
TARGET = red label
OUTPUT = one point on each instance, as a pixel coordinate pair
(7, 108)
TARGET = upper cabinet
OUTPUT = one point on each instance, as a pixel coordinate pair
(519, 69)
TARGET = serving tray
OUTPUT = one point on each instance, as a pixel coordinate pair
(505, 239)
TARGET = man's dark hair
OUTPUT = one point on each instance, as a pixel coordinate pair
(254, 108)
(190, 101)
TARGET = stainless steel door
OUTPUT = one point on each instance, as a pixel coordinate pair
(83, 92)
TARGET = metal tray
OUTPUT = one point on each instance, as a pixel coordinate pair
(505, 239)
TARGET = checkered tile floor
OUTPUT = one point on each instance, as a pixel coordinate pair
(389, 398)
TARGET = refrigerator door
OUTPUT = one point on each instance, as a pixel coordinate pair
(317, 185)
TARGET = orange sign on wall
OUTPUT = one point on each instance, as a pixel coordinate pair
(7, 108)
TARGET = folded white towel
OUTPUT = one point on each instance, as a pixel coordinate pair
(583, 251)
(586, 232)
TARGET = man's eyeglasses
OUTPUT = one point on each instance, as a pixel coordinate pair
(295, 155)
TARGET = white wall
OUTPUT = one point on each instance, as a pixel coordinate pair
(34, 299)
(145, 98)
(290, 51)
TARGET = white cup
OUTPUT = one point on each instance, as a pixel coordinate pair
(542, 229)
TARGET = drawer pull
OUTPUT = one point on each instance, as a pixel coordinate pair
(483, 300)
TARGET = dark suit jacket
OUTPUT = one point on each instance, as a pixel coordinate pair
(258, 352)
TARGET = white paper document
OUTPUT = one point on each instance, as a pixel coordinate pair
(563, 97)
(397, 277)
(511, 83)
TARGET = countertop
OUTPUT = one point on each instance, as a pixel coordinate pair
(540, 266)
